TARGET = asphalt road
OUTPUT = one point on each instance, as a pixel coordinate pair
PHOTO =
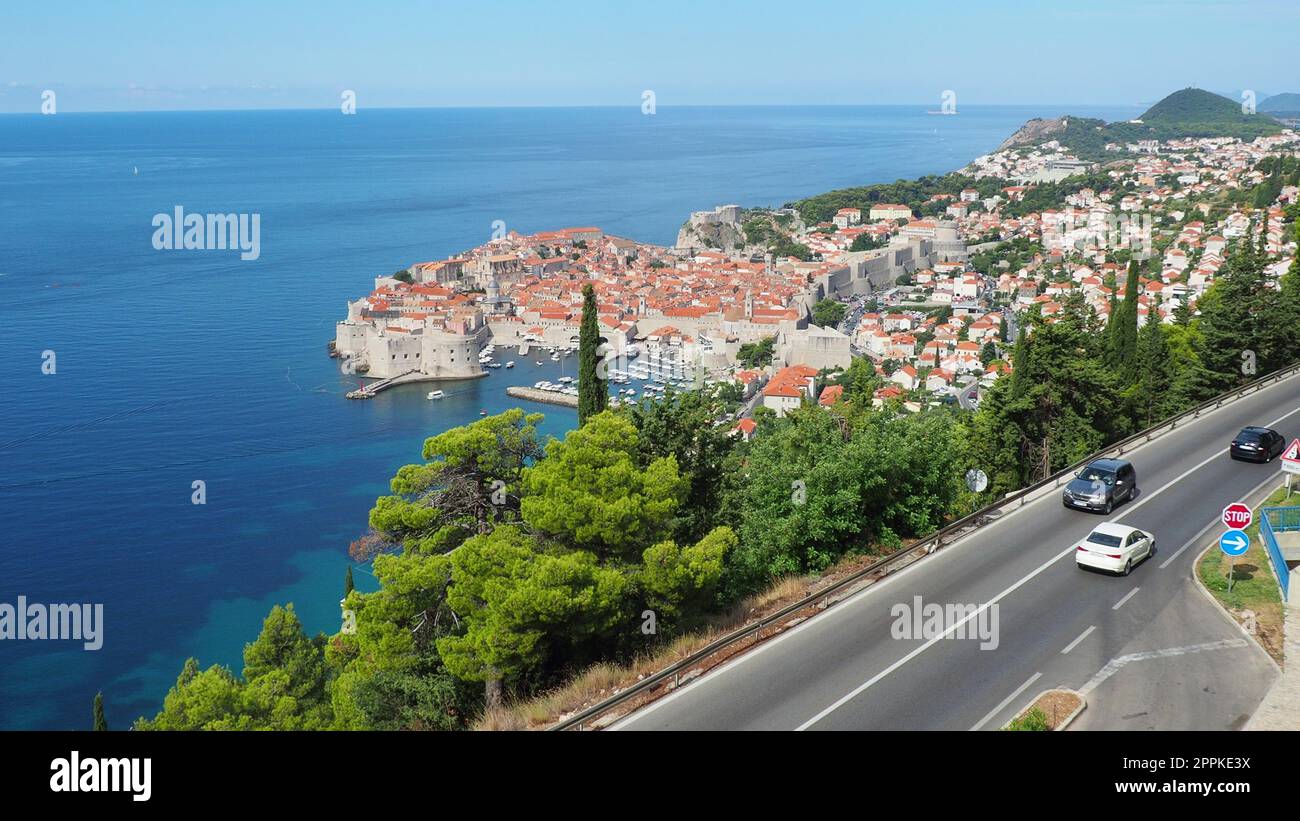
(1150, 650)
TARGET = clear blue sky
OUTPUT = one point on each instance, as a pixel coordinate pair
(138, 55)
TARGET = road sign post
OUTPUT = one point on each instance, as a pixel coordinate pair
(1233, 543)
(1291, 463)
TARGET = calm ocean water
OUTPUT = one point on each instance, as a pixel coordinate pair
(180, 366)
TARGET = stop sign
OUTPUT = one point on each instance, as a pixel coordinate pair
(1237, 516)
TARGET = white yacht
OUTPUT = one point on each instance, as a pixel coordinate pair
(435, 395)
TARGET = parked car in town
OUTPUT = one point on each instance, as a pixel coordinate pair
(1101, 485)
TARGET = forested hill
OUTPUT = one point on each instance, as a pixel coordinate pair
(1191, 112)
(1287, 105)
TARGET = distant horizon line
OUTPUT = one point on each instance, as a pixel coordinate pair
(634, 106)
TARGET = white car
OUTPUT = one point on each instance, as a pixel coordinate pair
(1115, 548)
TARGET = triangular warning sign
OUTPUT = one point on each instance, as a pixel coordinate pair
(1292, 452)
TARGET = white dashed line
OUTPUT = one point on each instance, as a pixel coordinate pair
(1130, 594)
(1081, 637)
(986, 719)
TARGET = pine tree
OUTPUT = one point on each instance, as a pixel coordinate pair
(988, 353)
(1231, 330)
(101, 723)
(1155, 373)
(593, 395)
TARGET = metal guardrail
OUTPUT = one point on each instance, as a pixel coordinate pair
(922, 547)
(1272, 520)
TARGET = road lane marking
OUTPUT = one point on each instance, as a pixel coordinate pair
(919, 650)
(1216, 455)
(1116, 664)
(986, 719)
(823, 619)
(1130, 594)
(1273, 477)
(1146, 497)
(1081, 637)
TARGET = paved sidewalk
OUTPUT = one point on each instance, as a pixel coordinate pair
(1280, 709)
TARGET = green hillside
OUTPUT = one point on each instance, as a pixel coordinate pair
(1191, 112)
(1194, 112)
(1288, 104)
(1192, 105)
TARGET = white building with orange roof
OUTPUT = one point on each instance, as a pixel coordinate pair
(889, 211)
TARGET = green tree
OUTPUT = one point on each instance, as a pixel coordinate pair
(681, 425)
(866, 242)
(389, 672)
(101, 723)
(518, 605)
(756, 354)
(828, 313)
(283, 688)
(470, 480)
(286, 675)
(1057, 406)
(1231, 333)
(212, 699)
(593, 394)
(680, 582)
(1151, 394)
(988, 353)
(589, 492)
(1123, 328)
(348, 587)
(813, 487)
(859, 381)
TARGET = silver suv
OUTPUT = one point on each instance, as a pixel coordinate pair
(1101, 486)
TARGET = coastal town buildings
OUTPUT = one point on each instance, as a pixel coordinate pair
(937, 331)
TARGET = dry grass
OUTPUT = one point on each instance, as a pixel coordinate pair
(1047, 712)
(603, 680)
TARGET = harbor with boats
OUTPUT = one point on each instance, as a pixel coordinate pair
(632, 375)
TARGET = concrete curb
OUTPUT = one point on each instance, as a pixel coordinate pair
(1083, 705)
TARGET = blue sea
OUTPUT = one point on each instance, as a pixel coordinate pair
(176, 367)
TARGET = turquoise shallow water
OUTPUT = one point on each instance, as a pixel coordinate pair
(181, 366)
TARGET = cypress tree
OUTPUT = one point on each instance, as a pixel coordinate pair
(347, 582)
(101, 723)
(1108, 333)
(593, 395)
(1124, 330)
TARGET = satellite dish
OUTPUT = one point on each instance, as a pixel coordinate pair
(977, 480)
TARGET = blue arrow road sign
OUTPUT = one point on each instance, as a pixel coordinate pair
(1234, 542)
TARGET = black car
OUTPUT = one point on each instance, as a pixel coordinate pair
(1257, 445)
(1101, 485)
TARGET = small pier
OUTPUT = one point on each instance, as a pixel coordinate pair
(374, 388)
(549, 397)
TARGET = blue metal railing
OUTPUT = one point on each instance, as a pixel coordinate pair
(1275, 520)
